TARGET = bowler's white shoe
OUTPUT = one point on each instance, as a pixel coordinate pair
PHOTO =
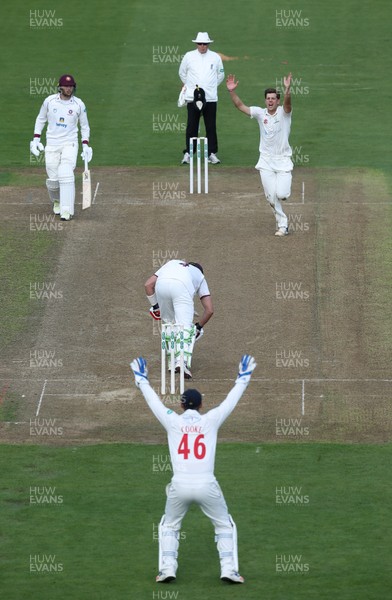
(232, 577)
(282, 231)
(165, 577)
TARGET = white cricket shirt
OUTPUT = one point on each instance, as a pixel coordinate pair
(62, 117)
(192, 436)
(205, 70)
(274, 148)
(190, 276)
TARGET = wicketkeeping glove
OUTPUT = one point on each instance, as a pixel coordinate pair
(139, 368)
(87, 152)
(35, 146)
(245, 369)
(155, 312)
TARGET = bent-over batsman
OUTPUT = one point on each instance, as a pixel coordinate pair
(170, 291)
(192, 439)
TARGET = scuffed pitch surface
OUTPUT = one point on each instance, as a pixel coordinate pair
(308, 307)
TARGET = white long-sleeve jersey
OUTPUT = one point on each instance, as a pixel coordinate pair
(62, 117)
(192, 437)
(205, 70)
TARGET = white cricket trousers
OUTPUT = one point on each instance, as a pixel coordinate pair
(60, 162)
(277, 185)
(175, 302)
(210, 498)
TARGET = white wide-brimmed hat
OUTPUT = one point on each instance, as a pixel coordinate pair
(202, 38)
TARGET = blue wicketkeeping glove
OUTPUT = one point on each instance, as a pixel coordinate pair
(139, 368)
(245, 369)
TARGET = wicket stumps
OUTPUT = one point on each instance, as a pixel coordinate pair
(198, 169)
(172, 336)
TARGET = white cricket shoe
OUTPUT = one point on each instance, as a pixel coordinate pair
(163, 577)
(213, 159)
(232, 577)
(186, 159)
(187, 371)
(56, 207)
(282, 231)
(66, 216)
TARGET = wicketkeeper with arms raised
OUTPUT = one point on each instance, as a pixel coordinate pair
(192, 439)
(62, 112)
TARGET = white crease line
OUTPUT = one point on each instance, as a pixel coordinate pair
(41, 397)
(96, 192)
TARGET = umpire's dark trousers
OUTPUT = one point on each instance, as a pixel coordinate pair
(192, 128)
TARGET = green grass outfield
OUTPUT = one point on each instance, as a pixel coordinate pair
(125, 58)
(106, 500)
(98, 521)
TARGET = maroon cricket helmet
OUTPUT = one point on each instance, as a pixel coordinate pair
(67, 80)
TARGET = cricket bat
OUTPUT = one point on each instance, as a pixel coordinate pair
(86, 202)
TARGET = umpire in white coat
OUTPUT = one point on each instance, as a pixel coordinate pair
(202, 68)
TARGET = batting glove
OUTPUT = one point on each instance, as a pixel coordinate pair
(199, 331)
(245, 369)
(139, 368)
(155, 312)
(87, 152)
(35, 146)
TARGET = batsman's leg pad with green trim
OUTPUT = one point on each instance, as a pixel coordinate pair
(189, 342)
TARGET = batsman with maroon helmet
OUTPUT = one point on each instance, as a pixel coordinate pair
(62, 113)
